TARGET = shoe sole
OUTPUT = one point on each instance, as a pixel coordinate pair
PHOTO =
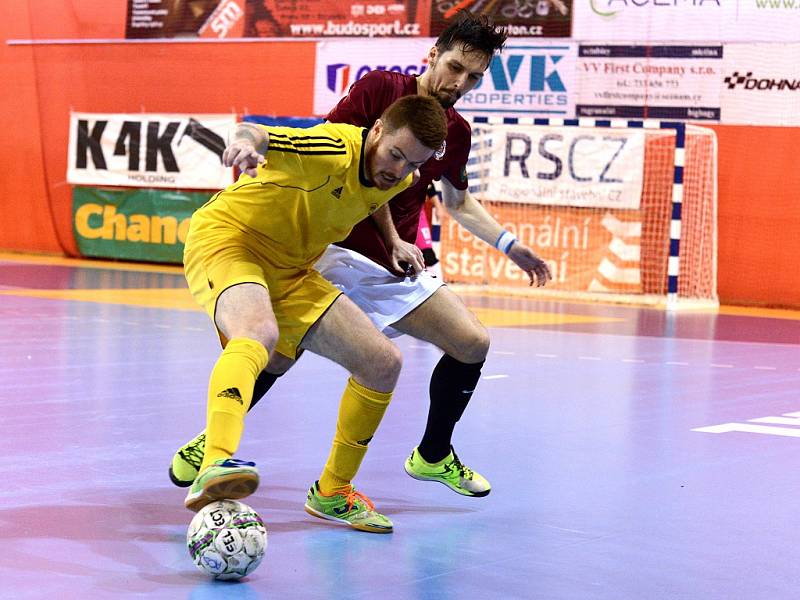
(233, 486)
(367, 528)
(466, 493)
(179, 482)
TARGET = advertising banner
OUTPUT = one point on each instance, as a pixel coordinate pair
(149, 150)
(559, 166)
(641, 82)
(275, 18)
(148, 225)
(341, 63)
(761, 85)
(687, 20)
(586, 250)
(337, 18)
(765, 21)
(522, 18)
(652, 20)
(525, 80)
(530, 78)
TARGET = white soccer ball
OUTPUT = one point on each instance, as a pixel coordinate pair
(227, 539)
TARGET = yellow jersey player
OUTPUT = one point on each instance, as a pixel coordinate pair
(249, 260)
(382, 271)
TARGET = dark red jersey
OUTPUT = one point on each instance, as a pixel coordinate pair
(365, 102)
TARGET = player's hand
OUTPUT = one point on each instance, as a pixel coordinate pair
(244, 156)
(409, 255)
(534, 266)
(559, 6)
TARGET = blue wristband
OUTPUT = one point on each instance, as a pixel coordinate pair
(505, 241)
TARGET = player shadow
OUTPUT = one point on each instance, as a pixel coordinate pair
(120, 529)
(101, 540)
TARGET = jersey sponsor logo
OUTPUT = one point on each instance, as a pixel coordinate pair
(439, 154)
(337, 193)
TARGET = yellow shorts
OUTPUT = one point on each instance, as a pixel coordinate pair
(213, 262)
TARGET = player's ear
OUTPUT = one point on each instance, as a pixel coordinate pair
(377, 127)
(432, 54)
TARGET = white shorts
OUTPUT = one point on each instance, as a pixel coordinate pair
(384, 297)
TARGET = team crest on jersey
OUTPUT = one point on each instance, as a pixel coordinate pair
(439, 154)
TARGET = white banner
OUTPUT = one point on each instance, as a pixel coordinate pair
(341, 63)
(687, 20)
(529, 78)
(559, 166)
(149, 150)
(765, 21)
(761, 85)
(649, 82)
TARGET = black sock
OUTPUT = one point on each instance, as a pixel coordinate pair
(452, 384)
(264, 381)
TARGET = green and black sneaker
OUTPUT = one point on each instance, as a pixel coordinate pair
(450, 471)
(187, 460)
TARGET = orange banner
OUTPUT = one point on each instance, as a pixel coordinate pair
(590, 250)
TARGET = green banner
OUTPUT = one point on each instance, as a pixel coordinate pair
(146, 225)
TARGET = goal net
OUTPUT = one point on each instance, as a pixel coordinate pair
(621, 210)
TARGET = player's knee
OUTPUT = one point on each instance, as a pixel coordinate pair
(268, 334)
(256, 327)
(384, 368)
(476, 346)
(389, 362)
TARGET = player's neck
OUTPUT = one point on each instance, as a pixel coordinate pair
(422, 84)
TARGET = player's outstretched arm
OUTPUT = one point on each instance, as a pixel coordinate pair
(247, 148)
(472, 216)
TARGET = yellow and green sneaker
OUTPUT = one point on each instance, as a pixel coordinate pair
(352, 508)
(450, 471)
(187, 460)
(225, 479)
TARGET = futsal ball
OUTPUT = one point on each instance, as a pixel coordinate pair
(227, 539)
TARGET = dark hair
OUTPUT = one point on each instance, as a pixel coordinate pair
(423, 115)
(477, 33)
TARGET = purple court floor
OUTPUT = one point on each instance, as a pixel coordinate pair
(633, 453)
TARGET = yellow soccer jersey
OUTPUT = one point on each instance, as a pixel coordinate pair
(309, 193)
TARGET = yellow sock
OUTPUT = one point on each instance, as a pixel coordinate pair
(230, 391)
(360, 412)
